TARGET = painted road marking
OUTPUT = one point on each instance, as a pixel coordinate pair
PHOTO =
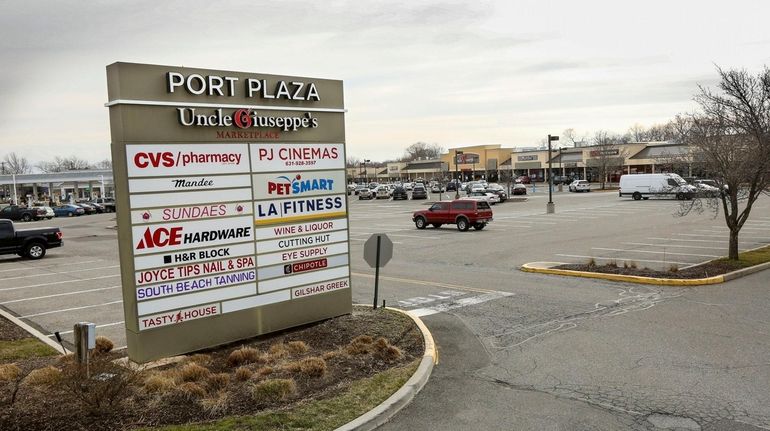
(59, 282)
(460, 303)
(651, 251)
(364, 240)
(60, 273)
(627, 260)
(673, 245)
(98, 326)
(68, 264)
(59, 294)
(426, 283)
(64, 310)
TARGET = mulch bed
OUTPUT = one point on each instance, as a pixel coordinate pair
(708, 269)
(352, 347)
(11, 332)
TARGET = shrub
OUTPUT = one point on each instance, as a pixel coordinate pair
(612, 264)
(193, 372)
(47, 376)
(632, 265)
(331, 355)
(313, 367)
(191, 390)
(278, 351)
(273, 390)
(103, 390)
(292, 367)
(244, 355)
(216, 406)
(360, 345)
(158, 383)
(103, 345)
(386, 351)
(242, 374)
(591, 262)
(218, 381)
(673, 268)
(297, 348)
(265, 371)
(9, 372)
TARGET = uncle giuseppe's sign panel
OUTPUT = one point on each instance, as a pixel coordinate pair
(232, 205)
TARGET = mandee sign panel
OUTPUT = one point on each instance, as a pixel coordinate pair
(232, 208)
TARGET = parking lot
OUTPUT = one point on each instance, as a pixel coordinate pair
(433, 270)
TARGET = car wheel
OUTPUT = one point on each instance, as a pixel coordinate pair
(420, 222)
(26, 217)
(69, 214)
(436, 225)
(34, 250)
(49, 218)
(679, 197)
(462, 224)
(479, 226)
(636, 196)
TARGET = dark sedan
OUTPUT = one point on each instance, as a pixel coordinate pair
(400, 193)
(88, 209)
(419, 192)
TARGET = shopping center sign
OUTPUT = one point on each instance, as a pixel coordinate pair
(232, 208)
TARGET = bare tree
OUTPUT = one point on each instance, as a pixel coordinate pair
(571, 137)
(730, 140)
(352, 162)
(422, 150)
(606, 156)
(637, 133)
(62, 164)
(15, 164)
(104, 164)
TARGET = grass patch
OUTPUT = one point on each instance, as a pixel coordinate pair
(25, 348)
(748, 258)
(327, 414)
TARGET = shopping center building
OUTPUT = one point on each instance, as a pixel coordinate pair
(56, 187)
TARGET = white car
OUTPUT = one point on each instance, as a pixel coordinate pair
(580, 186)
(477, 188)
(408, 186)
(382, 192)
(491, 198)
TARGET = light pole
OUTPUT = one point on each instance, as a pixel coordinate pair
(550, 208)
(457, 174)
(366, 174)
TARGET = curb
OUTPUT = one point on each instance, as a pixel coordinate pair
(32, 331)
(388, 408)
(545, 268)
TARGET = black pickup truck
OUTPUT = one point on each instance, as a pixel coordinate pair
(15, 212)
(31, 243)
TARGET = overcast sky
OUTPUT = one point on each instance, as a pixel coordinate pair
(452, 73)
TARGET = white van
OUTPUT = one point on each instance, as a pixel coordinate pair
(642, 186)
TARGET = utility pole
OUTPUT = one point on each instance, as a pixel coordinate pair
(550, 207)
(457, 175)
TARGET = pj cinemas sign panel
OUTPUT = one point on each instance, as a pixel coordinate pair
(211, 169)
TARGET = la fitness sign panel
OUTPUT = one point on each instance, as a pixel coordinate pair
(232, 207)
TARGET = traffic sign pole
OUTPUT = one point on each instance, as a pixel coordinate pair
(377, 271)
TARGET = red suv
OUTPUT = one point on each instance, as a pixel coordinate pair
(462, 212)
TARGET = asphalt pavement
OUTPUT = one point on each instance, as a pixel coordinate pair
(517, 350)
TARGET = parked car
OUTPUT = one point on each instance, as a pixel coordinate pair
(21, 213)
(88, 209)
(642, 186)
(518, 189)
(492, 198)
(30, 243)
(107, 203)
(498, 190)
(419, 192)
(580, 186)
(49, 214)
(706, 188)
(400, 193)
(359, 188)
(523, 179)
(382, 192)
(463, 213)
(98, 207)
(365, 193)
(451, 186)
(68, 210)
(437, 188)
(561, 179)
(409, 186)
(352, 188)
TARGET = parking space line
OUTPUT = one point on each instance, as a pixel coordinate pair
(627, 260)
(64, 310)
(59, 282)
(673, 245)
(426, 283)
(717, 235)
(60, 273)
(396, 234)
(68, 264)
(653, 252)
(98, 326)
(364, 240)
(58, 294)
